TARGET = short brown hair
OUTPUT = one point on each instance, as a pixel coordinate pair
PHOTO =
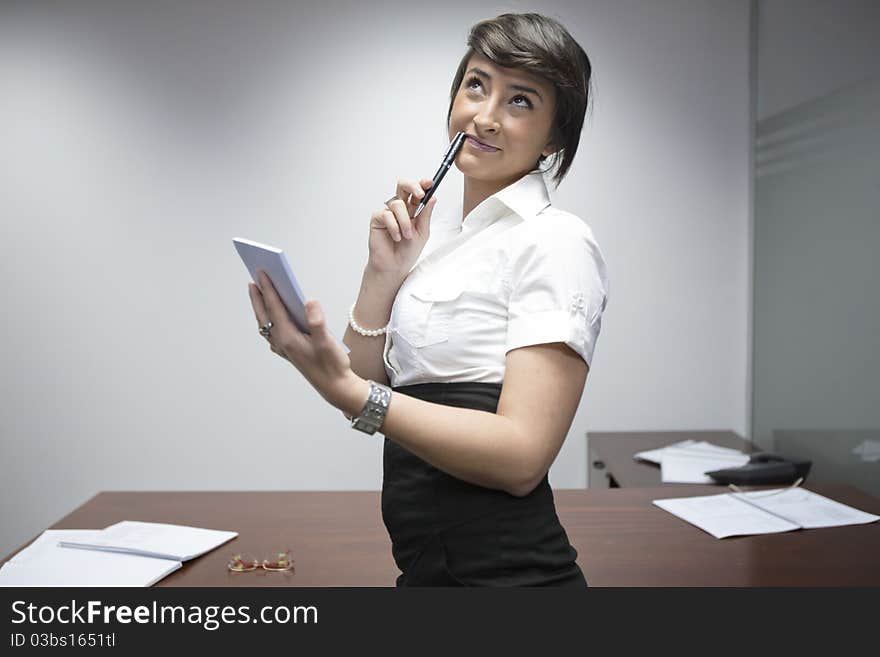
(542, 46)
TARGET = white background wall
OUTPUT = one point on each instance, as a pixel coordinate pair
(139, 138)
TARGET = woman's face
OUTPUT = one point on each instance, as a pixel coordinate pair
(511, 112)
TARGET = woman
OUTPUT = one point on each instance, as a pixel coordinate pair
(487, 332)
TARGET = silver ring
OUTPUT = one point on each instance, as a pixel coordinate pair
(393, 198)
(264, 329)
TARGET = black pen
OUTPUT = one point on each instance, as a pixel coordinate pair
(448, 159)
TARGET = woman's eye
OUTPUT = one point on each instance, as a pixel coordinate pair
(474, 84)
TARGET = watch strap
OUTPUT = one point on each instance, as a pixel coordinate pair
(373, 414)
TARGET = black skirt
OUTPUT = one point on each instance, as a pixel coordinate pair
(448, 532)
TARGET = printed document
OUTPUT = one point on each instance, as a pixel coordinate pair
(763, 512)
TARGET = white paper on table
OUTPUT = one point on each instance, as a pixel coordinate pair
(701, 447)
(153, 539)
(688, 466)
(44, 563)
(656, 455)
(709, 448)
(724, 515)
(808, 509)
(763, 512)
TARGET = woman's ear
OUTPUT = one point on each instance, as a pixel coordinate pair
(549, 149)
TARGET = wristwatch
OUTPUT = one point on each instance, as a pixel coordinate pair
(373, 414)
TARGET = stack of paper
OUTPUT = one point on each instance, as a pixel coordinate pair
(125, 554)
(763, 512)
(686, 462)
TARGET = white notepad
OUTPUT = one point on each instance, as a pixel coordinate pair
(153, 539)
(44, 563)
(272, 260)
(756, 512)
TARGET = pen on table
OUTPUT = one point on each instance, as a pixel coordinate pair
(448, 159)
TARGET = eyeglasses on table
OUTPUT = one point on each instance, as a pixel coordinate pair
(244, 562)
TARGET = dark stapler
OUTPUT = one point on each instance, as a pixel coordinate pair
(763, 468)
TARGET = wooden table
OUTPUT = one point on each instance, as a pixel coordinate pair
(338, 539)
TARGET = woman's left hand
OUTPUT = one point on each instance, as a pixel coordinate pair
(317, 356)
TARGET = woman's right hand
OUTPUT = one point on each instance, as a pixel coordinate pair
(396, 239)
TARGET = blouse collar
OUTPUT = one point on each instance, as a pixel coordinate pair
(528, 196)
(525, 197)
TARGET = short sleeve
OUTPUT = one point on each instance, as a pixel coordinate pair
(558, 287)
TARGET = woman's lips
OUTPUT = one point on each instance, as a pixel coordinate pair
(480, 146)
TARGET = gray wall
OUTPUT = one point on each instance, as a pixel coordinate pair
(809, 48)
(139, 138)
(817, 221)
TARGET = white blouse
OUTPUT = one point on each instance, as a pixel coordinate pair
(515, 272)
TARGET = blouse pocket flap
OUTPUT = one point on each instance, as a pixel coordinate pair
(425, 321)
(439, 293)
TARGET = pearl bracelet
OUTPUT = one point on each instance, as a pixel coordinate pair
(359, 329)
